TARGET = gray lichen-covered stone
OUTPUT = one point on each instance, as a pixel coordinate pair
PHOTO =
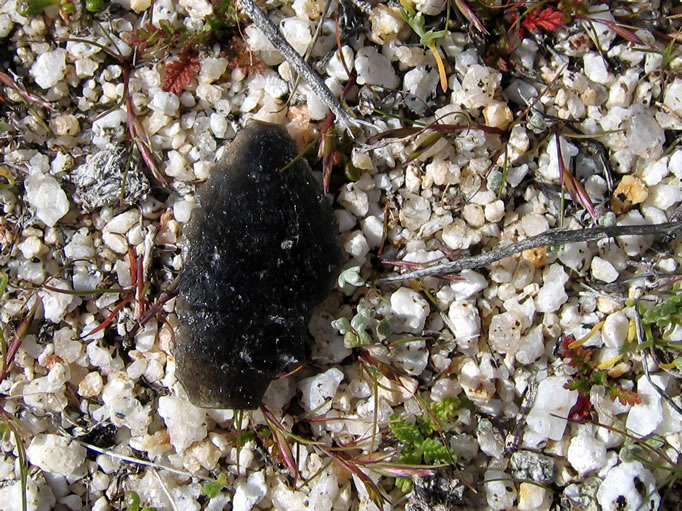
(261, 252)
(531, 466)
(100, 180)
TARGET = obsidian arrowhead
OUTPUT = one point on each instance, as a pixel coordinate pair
(261, 251)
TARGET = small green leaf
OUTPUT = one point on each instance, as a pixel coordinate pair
(384, 329)
(403, 484)
(351, 276)
(213, 488)
(406, 432)
(435, 451)
(342, 325)
(94, 5)
(132, 501)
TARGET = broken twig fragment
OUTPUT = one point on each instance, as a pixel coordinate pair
(272, 33)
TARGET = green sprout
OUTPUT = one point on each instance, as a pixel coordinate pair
(213, 488)
(421, 440)
(659, 322)
(132, 502)
(354, 331)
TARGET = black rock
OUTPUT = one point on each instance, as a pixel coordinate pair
(262, 251)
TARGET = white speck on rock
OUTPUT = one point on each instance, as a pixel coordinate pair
(410, 311)
(56, 454)
(47, 197)
(250, 492)
(49, 68)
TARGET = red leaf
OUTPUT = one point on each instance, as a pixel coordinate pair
(548, 19)
(580, 411)
(179, 73)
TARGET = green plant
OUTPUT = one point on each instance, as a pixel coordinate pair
(422, 440)
(427, 38)
(658, 323)
(355, 332)
(132, 502)
(213, 488)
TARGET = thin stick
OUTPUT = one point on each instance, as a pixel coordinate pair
(549, 238)
(138, 461)
(272, 33)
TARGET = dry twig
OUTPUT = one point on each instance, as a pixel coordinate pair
(272, 33)
(549, 238)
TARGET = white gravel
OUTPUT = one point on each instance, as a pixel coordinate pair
(489, 337)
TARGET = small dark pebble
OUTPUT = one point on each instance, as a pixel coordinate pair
(262, 252)
(442, 491)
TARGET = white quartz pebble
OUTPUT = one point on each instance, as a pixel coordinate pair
(465, 320)
(47, 198)
(49, 68)
(56, 454)
(249, 492)
(500, 492)
(318, 391)
(185, 422)
(603, 270)
(124, 408)
(586, 454)
(629, 487)
(373, 68)
(615, 330)
(552, 294)
(645, 417)
(410, 311)
(469, 284)
(552, 403)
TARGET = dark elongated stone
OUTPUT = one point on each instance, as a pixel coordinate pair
(261, 251)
